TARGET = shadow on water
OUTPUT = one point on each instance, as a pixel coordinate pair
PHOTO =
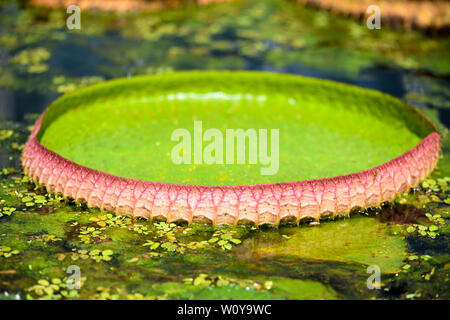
(400, 214)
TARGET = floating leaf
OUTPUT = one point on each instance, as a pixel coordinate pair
(362, 240)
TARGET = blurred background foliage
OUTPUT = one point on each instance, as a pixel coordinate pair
(40, 58)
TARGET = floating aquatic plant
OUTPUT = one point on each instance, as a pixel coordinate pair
(6, 134)
(430, 230)
(224, 239)
(33, 60)
(7, 211)
(6, 252)
(96, 255)
(204, 279)
(46, 238)
(52, 289)
(107, 293)
(91, 234)
(299, 107)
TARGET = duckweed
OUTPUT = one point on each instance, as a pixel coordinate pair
(6, 134)
(224, 239)
(52, 289)
(91, 235)
(7, 211)
(32, 60)
(107, 293)
(427, 230)
(6, 252)
(46, 238)
(96, 255)
(204, 279)
(166, 240)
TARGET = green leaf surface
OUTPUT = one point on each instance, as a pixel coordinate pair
(357, 240)
(326, 129)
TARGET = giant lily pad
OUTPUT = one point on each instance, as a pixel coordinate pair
(374, 243)
(359, 146)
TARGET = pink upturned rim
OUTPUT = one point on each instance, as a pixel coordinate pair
(259, 203)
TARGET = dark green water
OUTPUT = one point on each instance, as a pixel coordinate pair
(40, 59)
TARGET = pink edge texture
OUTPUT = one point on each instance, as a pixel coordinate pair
(260, 203)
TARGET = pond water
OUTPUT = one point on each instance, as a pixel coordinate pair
(42, 235)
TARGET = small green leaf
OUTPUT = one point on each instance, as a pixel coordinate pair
(107, 252)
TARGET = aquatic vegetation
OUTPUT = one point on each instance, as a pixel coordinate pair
(96, 255)
(118, 137)
(91, 234)
(63, 84)
(121, 294)
(262, 35)
(24, 198)
(430, 231)
(75, 143)
(375, 243)
(6, 252)
(437, 185)
(204, 279)
(33, 60)
(337, 241)
(166, 240)
(6, 211)
(6, 134)
(53, 289)
(268, 34)
(224, 239)
(46, 238)
(168, 246)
